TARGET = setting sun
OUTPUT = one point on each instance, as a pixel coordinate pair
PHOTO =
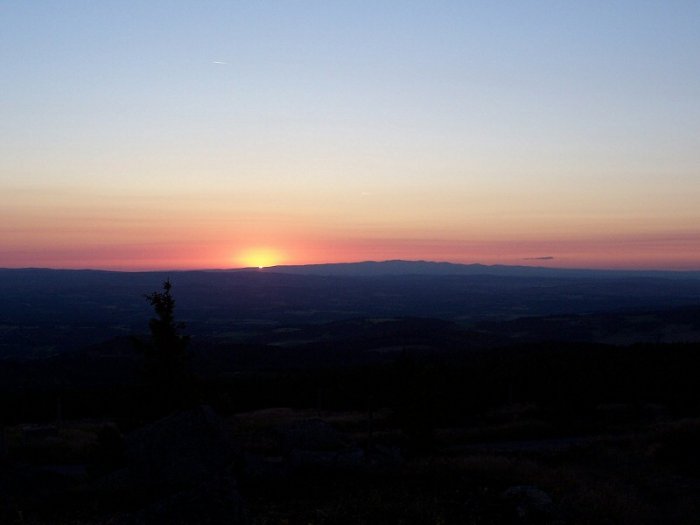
(258, 257)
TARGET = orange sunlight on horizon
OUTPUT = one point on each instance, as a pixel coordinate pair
(212, 252)
(259, 257)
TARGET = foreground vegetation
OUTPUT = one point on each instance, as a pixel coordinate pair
(546, 433)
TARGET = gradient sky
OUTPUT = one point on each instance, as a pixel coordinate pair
(202, 134)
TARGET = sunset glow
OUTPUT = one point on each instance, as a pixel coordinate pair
(252, 135)
(258, 257)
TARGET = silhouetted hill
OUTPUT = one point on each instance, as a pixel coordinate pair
(401, 267)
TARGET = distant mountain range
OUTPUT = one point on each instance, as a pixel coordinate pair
(401, 267)
(404, 267)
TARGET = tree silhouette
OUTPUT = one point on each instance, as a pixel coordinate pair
(167, 373)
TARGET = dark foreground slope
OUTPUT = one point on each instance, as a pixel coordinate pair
(543, 433)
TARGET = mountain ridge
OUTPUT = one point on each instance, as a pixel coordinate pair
(423, 267)
(399, 267)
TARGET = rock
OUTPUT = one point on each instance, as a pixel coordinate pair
(351, 458)
(212, 503)
(528, 504)
(380, 456)
(343, 459)
(261, 469)
(38, 433)
(185, 448)
(311, 434)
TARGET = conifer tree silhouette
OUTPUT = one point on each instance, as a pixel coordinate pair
(167, 372)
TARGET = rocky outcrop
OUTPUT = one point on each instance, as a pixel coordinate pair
(212, 503)
(182, 449)
(182, 468)
(311, 434)
(528, 504)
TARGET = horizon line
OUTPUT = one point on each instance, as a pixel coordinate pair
(366, 261)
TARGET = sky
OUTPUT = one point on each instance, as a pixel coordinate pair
(218, 134)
